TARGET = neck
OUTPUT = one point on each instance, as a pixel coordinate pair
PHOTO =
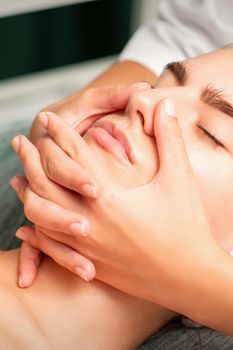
(61, 311)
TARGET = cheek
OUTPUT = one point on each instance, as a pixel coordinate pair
(142, 173)
(148, 164)
(214, 177)
(119, 176)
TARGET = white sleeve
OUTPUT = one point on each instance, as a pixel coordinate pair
(183, 29)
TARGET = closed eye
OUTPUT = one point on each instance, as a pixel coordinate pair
(210, 136)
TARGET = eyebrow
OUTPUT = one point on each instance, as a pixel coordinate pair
(179, 71)
(209, 95)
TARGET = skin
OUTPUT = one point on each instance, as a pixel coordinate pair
(70, 108)
(77, 110)
(203, 154)
(129, 312)
(207, 159)
(32, 318)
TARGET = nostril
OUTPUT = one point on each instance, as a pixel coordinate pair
(154, 86)
(140, 115)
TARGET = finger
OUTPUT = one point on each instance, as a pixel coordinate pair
(65, 136)
(38, 181)
(29, 261)
(70, 142)
(74, 173)
(60, 253)
(98, 101)
(20, 185)
(171, 148)
(30, 159)
(28, 235)
(56, 218)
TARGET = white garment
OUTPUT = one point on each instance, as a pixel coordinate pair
(183, 29)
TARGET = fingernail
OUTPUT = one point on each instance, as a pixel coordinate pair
(16, 143)
(21, 282)
(15, 184)
(82, 273)
(79, 228)
(20, 234)
(89, 190)
(44, 119)
(169, 108)
(24, 281)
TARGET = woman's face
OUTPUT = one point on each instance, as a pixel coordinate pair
(198, 88)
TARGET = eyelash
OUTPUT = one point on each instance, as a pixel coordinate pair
(210, 136)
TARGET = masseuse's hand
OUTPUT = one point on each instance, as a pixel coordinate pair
(60, 211)
(159, 247)
(80, 111)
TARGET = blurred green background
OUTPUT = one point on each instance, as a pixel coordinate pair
(56, 37)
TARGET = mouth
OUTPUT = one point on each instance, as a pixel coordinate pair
(114, 140)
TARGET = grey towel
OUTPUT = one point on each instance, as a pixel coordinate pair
(11, 210)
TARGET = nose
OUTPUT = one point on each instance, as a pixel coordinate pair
(142, 104)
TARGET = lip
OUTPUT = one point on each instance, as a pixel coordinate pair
(122, 150)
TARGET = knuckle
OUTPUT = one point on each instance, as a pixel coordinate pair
(51, 165)
(50, 168)
(38, 186)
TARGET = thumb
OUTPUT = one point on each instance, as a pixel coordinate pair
(112, 98)
(171, 148)
(98, 101)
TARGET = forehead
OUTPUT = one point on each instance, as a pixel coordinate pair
(214, 69)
